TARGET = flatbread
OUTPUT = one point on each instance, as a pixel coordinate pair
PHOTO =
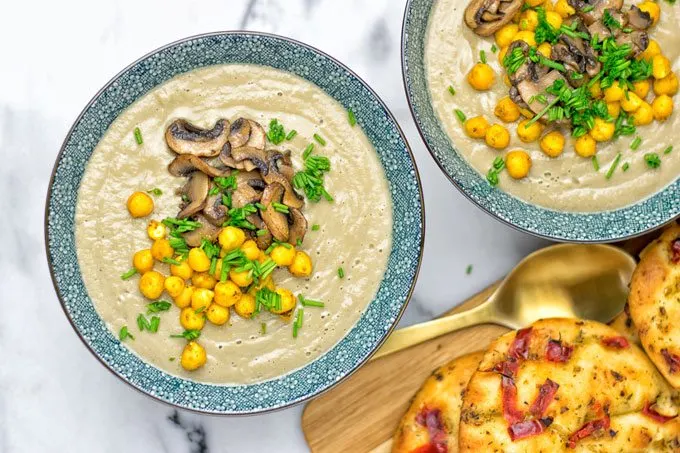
(431, 423)
(624, 325)
(655, 303)
(567, 385)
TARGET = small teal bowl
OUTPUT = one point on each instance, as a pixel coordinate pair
(382, 313)
(607, 226)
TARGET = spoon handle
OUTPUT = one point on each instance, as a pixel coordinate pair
(419, 333)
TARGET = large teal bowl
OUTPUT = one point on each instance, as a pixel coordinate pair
(608, 226)
(372, 115)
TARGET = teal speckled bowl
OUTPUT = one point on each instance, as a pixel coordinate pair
(381, 314)
(608, 226)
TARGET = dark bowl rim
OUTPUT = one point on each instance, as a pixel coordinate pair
(385, 335)
(421, 132)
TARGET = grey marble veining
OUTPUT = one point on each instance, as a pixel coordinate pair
(54, 396)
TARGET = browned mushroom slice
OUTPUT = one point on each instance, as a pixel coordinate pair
(184, 164)
(197, 190)
(298, 227)
(638, 19)
(485, 17)
(290, 198)
(578, 57)
(637, 40)
(591, 11)
(239, 133)
(256, 156)
(277, 222)
(258, 137)
(530, 90)
(184, 138)
(215, 212)
(263, 240)
(249, 187)
(206, 231)
(529, 69)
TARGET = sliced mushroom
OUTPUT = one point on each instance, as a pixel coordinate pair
(239, 133)
(637, 40)
(263, 241)
(290, 198)
(226, 159)
(197, 190)
(298, 227)
(578, 57)
(184, 164)
(258, 137)
(285, 166)
(184, 138)
(638, 19)
(215, 212)
(249, 187)
(206, 231)
(529, 90)
(277, 222)
(256, 156)
(591, 11)
(485, 17)
(528, 70)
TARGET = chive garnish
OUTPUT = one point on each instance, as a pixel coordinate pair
(625, 167)
(320, 140)
(188, 335)
(172, 359)
(308, 150)
(158, 306)
(468, 270)
(341, 272)
(156, 192)
(297, 324)
(482, 56)
(668, 150)
(461, 116)
(213, 191)
(128, 274)
(613, 166)
(636, 143)
(494, 49)
(596, 164)
(261, 232)
(309, 302)
(138, 136)
(171, 261)
(200, 310)
(142, 323)
(280, 207)
(263, 328)
(276, 133)
(125, 334)
(452, 90)
(291, 135)
(653, 160)
(316, 227)
(154, 324)
(351, 118)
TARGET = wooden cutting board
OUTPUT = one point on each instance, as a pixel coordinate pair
(361, 414)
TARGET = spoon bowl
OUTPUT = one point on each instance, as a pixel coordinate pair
(561, 281)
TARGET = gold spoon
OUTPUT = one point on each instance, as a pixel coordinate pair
(561, 281)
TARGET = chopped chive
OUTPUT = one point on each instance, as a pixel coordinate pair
(172, 359)
(213, 265)
(308, 150)
(613, 166)
(260, 206)
(142, 323)
(154, 324)
(225, 269)
(125, 334)
(188, 335)
(319, 139)
(311, 303)
(494, 49)
(138, 136)
(316, 227)
(351, 118)
(596, 164)
(214, 191)
(156, 192)
(482, 56)
(128, 274)
(588, 9)
(341, 272)
(171, 261)
(452, 90)
(625, 167)
(652, 160)
(158, 306)
(291, 135)
(261, 232)
(200, 310)
(280, 207)
(636, 143)
(668, 150)
(468, 270)
(263, 328)
(461, 116)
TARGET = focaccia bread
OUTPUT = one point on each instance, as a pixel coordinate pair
(431, 423)
(567, 385)
(655, 303)
(623, 324)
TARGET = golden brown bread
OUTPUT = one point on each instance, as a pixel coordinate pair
(655, 303)
(438, 402)
(624, 325)
(567, 385)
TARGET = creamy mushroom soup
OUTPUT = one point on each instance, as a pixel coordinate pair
(349, 239)
(568, 182)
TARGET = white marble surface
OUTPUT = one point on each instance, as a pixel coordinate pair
(54, 396)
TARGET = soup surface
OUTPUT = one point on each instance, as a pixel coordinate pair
(355, 230)
(566, 183)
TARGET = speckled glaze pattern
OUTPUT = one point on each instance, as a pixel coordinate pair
(608, 226)
(381, 314)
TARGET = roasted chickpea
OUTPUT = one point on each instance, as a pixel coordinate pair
(585, 146)
(283, 255)
(545, 49)
(287, 301)
(564, 9)
(527, 36)
(250, 249)
(506, 81)
(668, 85)
(644, 115)
(614, 93)
(151, 284)
(554, 19)
(184, 299)
(602, 131)
(218, 270)
(174, 286)
(497, 137)
(481, 77)
(231, 238)
(191, 320)
(203, 280)
(552, 144)
(198, 260)
(526, 113)
(529, 133)
(182, 270)
(661, 67)
(201, 298)
(139, 204)
(596, 90)
(614, 109)
(631, 102)
(217, 314)
(518, 164)
(641, 88)
(653, 49)
(505, 34)
(245, 307)
(535, 3)
(528, 20)
(653, 9)
(227, 293)
(301, 266)
(143, 261)
(662, 107)
(161, 249)
(156, 230)
(476, 127)
(193, 356)
(506, 110)
(242, 279)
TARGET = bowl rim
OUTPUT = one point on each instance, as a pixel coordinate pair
(307, 397)
(484, 208)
